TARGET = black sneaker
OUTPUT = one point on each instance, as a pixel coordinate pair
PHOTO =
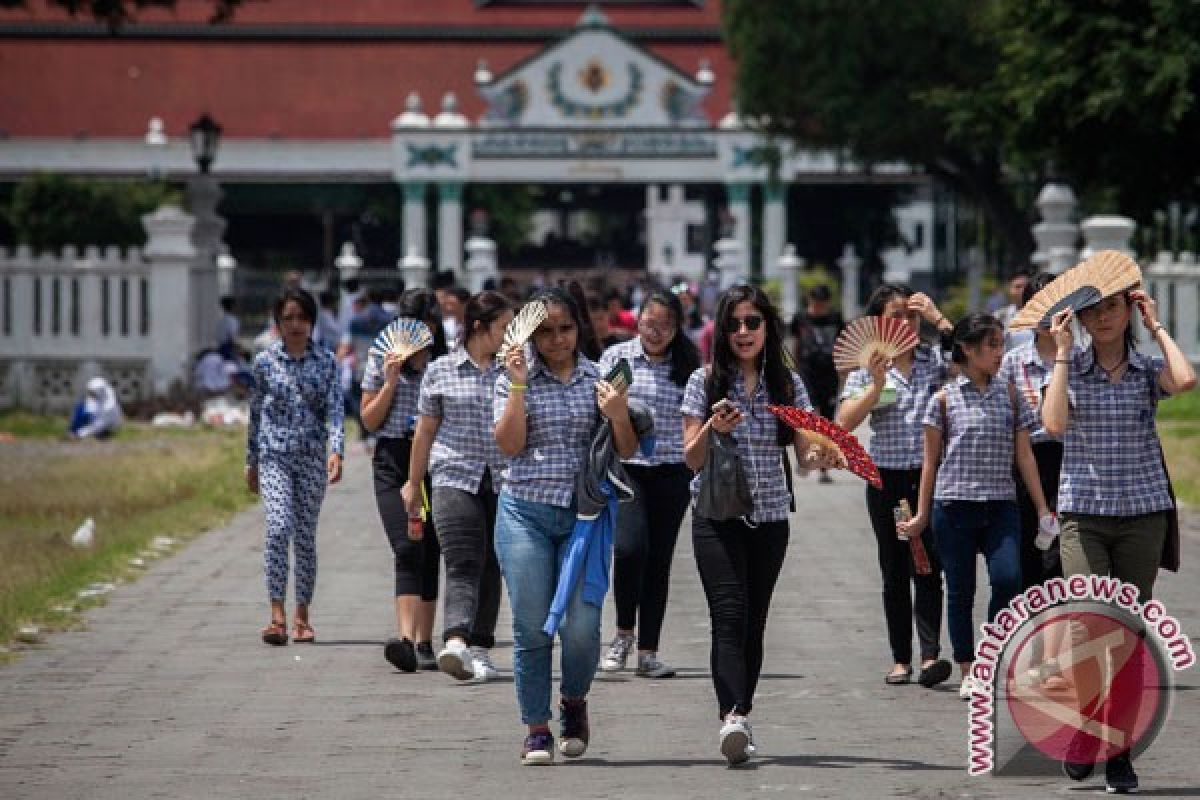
(426, 660)
(1119, 777)
(1078, 770)
(538, 749)
(935, 673)
(400, 654)
(575, 731)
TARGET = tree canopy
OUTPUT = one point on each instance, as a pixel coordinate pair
(988, 96)
(116, 13)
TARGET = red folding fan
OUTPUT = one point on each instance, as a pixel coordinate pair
(857, 460)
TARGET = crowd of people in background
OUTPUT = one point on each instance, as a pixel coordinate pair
(984, 436)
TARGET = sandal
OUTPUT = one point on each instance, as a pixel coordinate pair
(302, 632)
(275, 633)
(898, 678)
(935, 673)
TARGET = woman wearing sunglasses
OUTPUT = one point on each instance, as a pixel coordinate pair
(662, 358)
(740, 559)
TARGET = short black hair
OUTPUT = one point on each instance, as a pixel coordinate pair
(460, 293)
(820, 293)
(227, 302)
(443, 279)
(302, 298)
(1036, 284)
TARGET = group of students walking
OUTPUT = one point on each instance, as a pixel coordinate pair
(492, 448)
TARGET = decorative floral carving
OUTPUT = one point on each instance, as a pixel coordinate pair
(618, 108)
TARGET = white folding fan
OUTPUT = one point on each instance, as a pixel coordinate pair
(522, 327)
(404, 336)
(866, 336)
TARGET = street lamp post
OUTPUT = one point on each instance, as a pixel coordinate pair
(203, 194)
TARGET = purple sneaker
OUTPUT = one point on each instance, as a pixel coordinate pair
(575, 731)
(538, 749)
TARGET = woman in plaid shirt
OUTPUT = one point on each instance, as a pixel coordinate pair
(974, 428)
(1102, 402)
(894, 395)
(546, 411)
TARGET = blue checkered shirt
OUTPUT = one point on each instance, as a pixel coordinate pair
(1112, 461)
(1024, 369)
(757, 441)
(559, 421)
(459, 394)
(897, 436)
(653, 386)
(978, 439)
(402, 416)
(296, 405)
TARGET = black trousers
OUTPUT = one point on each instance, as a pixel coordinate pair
(1038, 566)
(416, 563)
(465, 526)
(907, 596)
(644, 545)
(738, 566)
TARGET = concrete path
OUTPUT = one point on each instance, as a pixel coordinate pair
(168, 693)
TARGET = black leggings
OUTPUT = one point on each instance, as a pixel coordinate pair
(1038, 565)
(738, 567)
(647, 528)
(900, 609)
(416, 562)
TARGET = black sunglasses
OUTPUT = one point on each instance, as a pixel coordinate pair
(752, 322)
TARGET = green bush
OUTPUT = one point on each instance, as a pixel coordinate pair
(954, 302)
(48, 211)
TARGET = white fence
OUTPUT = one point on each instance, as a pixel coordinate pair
(1174, 283)
(137, 317)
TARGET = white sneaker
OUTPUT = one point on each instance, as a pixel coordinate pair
(751, 748)
(650, 667)
(618, 653)
(481, 665)
(735, 739)
(455, 660)
(968, 687)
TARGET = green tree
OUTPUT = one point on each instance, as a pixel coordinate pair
(509, 213)
(48, 211)
(116, 13)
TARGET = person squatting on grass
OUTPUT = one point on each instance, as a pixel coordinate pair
(1114, 495)
(455, 407)
(974, 428)
(389, 406)
(894, 394)
(739, 559)
(662, 358)
(294, 448)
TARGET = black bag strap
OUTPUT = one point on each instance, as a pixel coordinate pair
(787, 476)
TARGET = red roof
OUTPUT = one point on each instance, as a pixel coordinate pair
(299, 69)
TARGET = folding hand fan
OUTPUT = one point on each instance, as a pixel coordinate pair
(866, 336)
(856, 458)
(522, 327)
(403, 336)
(1105, 274)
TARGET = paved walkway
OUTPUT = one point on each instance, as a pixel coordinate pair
(169, 694)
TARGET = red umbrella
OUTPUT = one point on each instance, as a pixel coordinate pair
(856, 458)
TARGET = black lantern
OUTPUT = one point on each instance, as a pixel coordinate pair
(206, 135)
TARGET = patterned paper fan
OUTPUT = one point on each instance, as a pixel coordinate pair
(403, 336)
(857, 460)
(1106, 273)
(522, 327)
(866, 336)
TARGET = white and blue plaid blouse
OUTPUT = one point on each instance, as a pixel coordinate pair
(757, 440)
(459, 394)
(295, 406)
(402, 416)
(1024, 369)
(653, 386)
(1112, 461)
(979, 439)
(897, 435)
(559, 420)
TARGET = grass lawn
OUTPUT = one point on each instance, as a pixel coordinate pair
(142, 483)
(1179, 427)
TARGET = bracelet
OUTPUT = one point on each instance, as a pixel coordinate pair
(1062, 361)
(517, 387)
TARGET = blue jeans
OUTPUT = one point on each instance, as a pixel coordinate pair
(530, 546)
(963, 528)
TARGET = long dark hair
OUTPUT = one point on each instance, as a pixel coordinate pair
(682, 352)
(422, 304)
(971, 330)
(483, 308)
(777, 377)
(556, 296)
(589, 343)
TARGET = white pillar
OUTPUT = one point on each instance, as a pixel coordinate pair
(1175, 286)
(1057, 234)
(787, 266)
(171, 254)
(414, 268)
(414, 219)
(774, 227)
(850, 263)
(739, 208)
(1107, 232)
(450, 227)
(729, 262)
(481, 262)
